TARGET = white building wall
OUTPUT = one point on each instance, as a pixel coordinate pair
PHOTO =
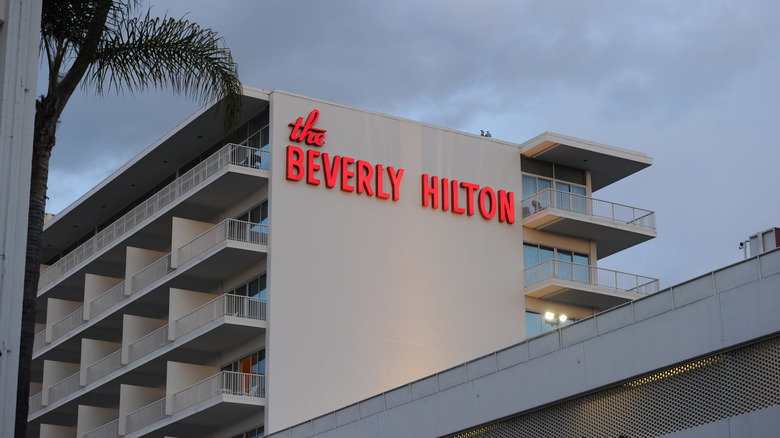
(369, 293)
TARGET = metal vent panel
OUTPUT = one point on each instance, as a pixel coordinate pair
(701, 391)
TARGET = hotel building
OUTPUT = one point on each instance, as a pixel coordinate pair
(235, 285)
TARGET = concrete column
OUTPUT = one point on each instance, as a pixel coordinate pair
(19, 37)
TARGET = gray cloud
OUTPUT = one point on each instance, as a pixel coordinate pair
(692, 84)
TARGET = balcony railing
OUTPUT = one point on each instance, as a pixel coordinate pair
(104, 366)
(229, 229)
(67, 324)
(590, 275)
(149, 343)
(145, 416)
(230, 154)
(108, 430)
(107, 300)
(230, 305)
(151, 273)
(225, 382)
(570, 202)
(64, 387)
(39, 341)
(36, 403)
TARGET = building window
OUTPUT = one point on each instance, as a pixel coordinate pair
(254, 288)
(563, 264)
(535, 323)
(257, 214)
(251, 364)
(567, 196)
(253, 433)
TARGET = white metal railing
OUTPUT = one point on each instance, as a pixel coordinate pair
(230, 154)
(64, 387)
(107, 299)
(250, 157)
(231, 305)
(108, 430)
(151, 273)
(225, 382)
(151, 413)
(229, 229)
(36, 403)
(67, 324)
(550, 198)
(104, 366)
(39, 341)
(148, 343)
(586, 274)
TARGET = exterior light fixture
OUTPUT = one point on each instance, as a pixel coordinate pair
(555, 320)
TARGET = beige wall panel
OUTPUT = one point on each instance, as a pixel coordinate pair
(368, 294)
(92, 417)
(94, 286)
(132, 398)
(183, 232)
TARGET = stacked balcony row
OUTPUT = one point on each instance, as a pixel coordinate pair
(102, 342)
(191, 397)
(612, 227)
(231, 159)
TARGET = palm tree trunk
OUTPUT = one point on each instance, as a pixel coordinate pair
(46, 116)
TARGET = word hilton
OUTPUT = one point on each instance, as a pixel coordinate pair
(363, 178)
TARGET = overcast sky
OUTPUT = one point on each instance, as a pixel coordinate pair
(693, 84)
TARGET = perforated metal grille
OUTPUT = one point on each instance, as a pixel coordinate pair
(698, 392)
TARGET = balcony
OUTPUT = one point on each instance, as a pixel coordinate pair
(230, 158)
(108, 430)
(222, 323)
(230, 246)
(585, 285)
(223, 397)
(614, 227)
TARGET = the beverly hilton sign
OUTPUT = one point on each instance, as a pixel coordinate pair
(364, 178)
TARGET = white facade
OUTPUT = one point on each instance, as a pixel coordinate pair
(356, 284)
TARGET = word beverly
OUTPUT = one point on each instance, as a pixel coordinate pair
(362, 177)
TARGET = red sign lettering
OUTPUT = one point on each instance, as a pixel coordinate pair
(306, 131)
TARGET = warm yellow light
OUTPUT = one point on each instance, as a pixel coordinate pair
(563, 318)
(549, 317)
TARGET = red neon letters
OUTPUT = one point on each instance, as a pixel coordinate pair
(487, 202)
(306, 131)
(363, 178)
(357, 176)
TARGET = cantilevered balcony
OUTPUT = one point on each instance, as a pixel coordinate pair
(225, 322)
(614, 227)
(223, 397)
(585, 285)
(232, 157)
(229, 246)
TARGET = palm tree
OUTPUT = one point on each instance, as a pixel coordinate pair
(100, 43)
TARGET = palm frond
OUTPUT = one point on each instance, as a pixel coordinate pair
(162, 52)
